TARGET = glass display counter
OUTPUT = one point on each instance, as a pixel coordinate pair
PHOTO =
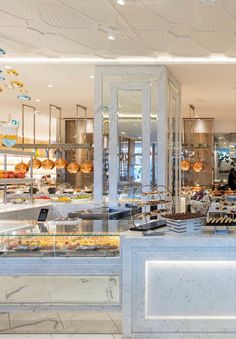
(85, 238)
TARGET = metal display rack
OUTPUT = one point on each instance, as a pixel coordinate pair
(150, 196)
(17, 181)
(59, 144)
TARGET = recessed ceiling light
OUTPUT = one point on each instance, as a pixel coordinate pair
(120, 2)
(111, 34)
(92, 76)
(123, 133)
(50, 85)
(37, 100)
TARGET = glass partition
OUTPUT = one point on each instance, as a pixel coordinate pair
(130, 140)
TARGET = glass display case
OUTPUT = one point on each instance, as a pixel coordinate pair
(86, 238)
(197, 149)
(225, 157)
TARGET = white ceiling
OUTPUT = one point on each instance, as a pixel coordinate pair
(142, 27)
(58, 28)
(211, 88)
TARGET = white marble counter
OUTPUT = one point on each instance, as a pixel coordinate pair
(31, 211)
(179, 286)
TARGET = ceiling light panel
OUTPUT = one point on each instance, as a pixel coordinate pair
(120, 2)
(220, 59)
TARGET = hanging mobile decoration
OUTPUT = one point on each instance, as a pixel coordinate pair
(17, 84)
(14, 84)
(9, 86)
(12, 71)
(24, 97)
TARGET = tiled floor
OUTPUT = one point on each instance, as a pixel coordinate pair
(61, 325)
(60, 336)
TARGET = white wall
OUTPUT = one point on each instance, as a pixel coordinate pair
(42, 123)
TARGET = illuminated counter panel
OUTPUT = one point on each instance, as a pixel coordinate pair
(179, 286)
(188, 283)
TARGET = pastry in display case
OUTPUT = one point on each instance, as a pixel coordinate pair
(150, 203)
(63, 237)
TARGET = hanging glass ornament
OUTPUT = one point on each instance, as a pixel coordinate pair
(17, 84)
(12, 71)
(9, 86)
(24, 97)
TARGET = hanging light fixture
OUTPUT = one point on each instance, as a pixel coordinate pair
(197, 165)
(111, 34)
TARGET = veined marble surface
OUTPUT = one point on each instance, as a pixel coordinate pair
(66, 323)
(59, 289)
(179, 286)
(28, 211)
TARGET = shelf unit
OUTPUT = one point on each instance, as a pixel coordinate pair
(17, 181)
(150, 196)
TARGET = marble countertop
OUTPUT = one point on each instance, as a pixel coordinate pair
(206, 239)
(206, 233)
(16, 207)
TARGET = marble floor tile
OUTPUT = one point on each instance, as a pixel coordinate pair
(34, 322)
(59, 336)
(4, 321)
(26, 336)
(87, 322)
(88, 327)
(25, 289)
(83, 336)
(83, 289)
(116, 317)
(64, 316)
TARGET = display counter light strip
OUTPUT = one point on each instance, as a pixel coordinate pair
(213, 59)
(186, 317)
